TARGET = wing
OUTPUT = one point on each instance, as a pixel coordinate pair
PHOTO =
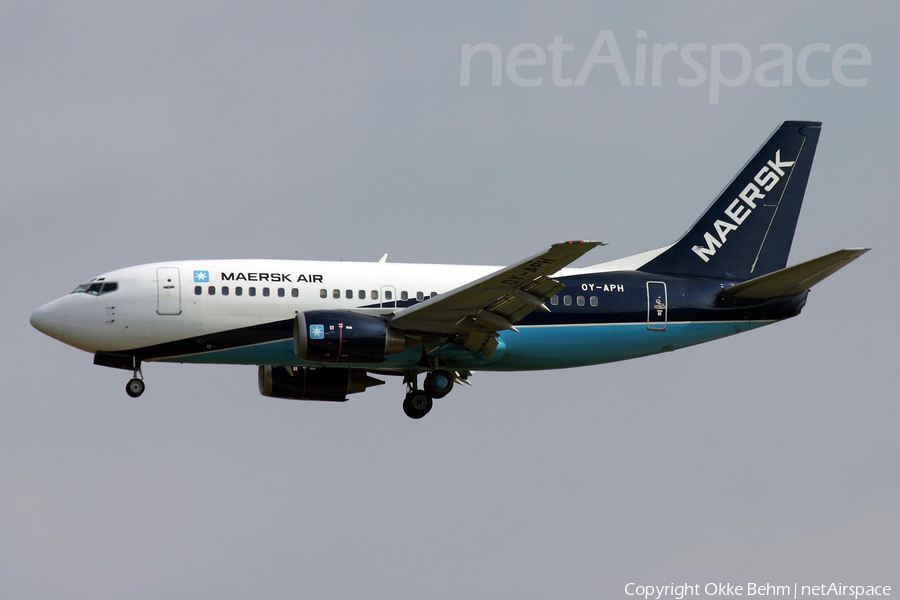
(476, 311)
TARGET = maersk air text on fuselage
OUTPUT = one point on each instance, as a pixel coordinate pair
(322, 330)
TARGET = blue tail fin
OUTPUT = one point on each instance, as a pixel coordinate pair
(747, 232)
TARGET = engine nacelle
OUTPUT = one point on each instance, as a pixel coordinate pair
(309, 383)
(342, 336)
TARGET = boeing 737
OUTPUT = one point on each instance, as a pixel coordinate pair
(322, 330)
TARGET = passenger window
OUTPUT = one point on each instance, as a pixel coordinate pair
(554, 300)
(404, 296)
(266, 292)
(388, 295)
(433, 294)
(336, 294)
(295, 293)
(323, 293)
(198, 290)
(362, 294)
(349, 294)
(238, 291)
(567, 300)
(252, 291)
(420, 296)
(224, 290)
(374, 294)
(212, 290)
(580, 300)
(594, 301)
(281, 292)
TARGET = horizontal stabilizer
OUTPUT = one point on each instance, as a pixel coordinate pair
(797, 279)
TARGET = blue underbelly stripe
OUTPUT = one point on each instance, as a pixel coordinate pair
(561, 347)
(535, 347)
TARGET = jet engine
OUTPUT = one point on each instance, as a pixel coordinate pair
(309, 383)
(341, 336)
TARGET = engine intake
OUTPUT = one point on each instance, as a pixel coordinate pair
(309, 383)
(341, 336)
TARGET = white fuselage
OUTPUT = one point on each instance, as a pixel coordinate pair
(143, 312)
(173, 312)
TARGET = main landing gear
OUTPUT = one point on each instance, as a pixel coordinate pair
(418, 402)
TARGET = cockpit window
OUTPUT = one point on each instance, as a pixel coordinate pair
(96, 288)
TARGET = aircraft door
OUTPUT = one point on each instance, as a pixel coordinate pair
(168, 291)
(388, 297)
(657, 306)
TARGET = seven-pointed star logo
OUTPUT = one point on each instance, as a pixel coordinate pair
(201, 276)
(316, 332)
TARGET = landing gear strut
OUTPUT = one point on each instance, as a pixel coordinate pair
(136, 386)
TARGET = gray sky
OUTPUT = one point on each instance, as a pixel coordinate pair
(137, 133)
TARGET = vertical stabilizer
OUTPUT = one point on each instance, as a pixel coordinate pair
(747, 232)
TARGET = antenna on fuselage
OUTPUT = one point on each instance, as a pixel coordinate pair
(383, 259)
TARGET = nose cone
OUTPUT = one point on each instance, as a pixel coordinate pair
(50, 320)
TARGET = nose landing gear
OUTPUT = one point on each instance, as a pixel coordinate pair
(136, 386)
(126, 362)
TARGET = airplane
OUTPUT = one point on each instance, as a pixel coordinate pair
(323, 330)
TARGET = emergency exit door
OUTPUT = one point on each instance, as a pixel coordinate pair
(388, 296)
(168, 291)
(657, 306)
